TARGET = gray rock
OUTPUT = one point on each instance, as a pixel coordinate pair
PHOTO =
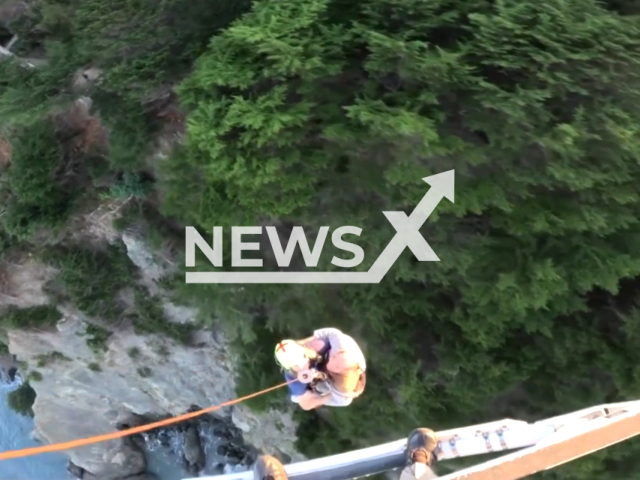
(282, 457)
(225, 429)
(75, 402)
(135, 443)
(141, 256)
(234, 454)
(251, 454)
(84, 79)
(193, 453)
(8, 368)
(79, 472)
(24, 286)
(75, 470)
(129, 419)
(164, 437)
(144, 476)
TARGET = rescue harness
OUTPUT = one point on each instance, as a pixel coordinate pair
(315, 377)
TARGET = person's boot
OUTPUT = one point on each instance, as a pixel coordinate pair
(268, 468)
(420, 446)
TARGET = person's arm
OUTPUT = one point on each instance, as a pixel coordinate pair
(313, 343)
(311, 400)
(306, 341)
(345, 352)
(326, 334)
(323, 334)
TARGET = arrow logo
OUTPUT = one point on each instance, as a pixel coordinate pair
(408, 228)
(407, 235)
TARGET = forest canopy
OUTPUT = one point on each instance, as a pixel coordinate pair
(312, 113)
(326, 113)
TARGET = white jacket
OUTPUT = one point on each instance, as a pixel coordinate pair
(340, 342)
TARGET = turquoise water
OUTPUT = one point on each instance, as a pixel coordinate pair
(162, 464)
(15, 433)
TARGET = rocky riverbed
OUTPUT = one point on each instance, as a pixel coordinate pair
(83, 391)
(77, 399)
(210, 445)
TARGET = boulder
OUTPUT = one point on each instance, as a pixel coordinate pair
(8, 368)
(194, 456)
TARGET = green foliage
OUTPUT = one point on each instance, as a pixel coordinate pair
(35, 376)
(97, 338)
(22, 399)
(312, 113)
(131, 185)
(144, 372)
(34, 198)
(149, 317)
(6, 242)
(44, 359)
(131, 130)
(29, 94)
(95, 367)
(30, 317)
(91, 278)
(134, 352)
(142, 48)
(162, 350)
(144, 44)
(256, 369)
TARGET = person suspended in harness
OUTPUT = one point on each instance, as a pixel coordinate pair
(329, 369)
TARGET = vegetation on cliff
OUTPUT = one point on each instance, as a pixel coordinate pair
(21, 399)
(310, 112)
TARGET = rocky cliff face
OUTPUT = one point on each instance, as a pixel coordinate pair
(82, 393)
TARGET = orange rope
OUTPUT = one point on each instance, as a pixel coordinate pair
(56, 447)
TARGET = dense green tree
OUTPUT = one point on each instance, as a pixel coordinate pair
(143, 48)
(139, 51)
(319, 113)
(33, 194)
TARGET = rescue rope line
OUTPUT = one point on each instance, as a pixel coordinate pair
(56, 447)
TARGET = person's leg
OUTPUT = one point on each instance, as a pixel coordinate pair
(268, 468)
(419, 455)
